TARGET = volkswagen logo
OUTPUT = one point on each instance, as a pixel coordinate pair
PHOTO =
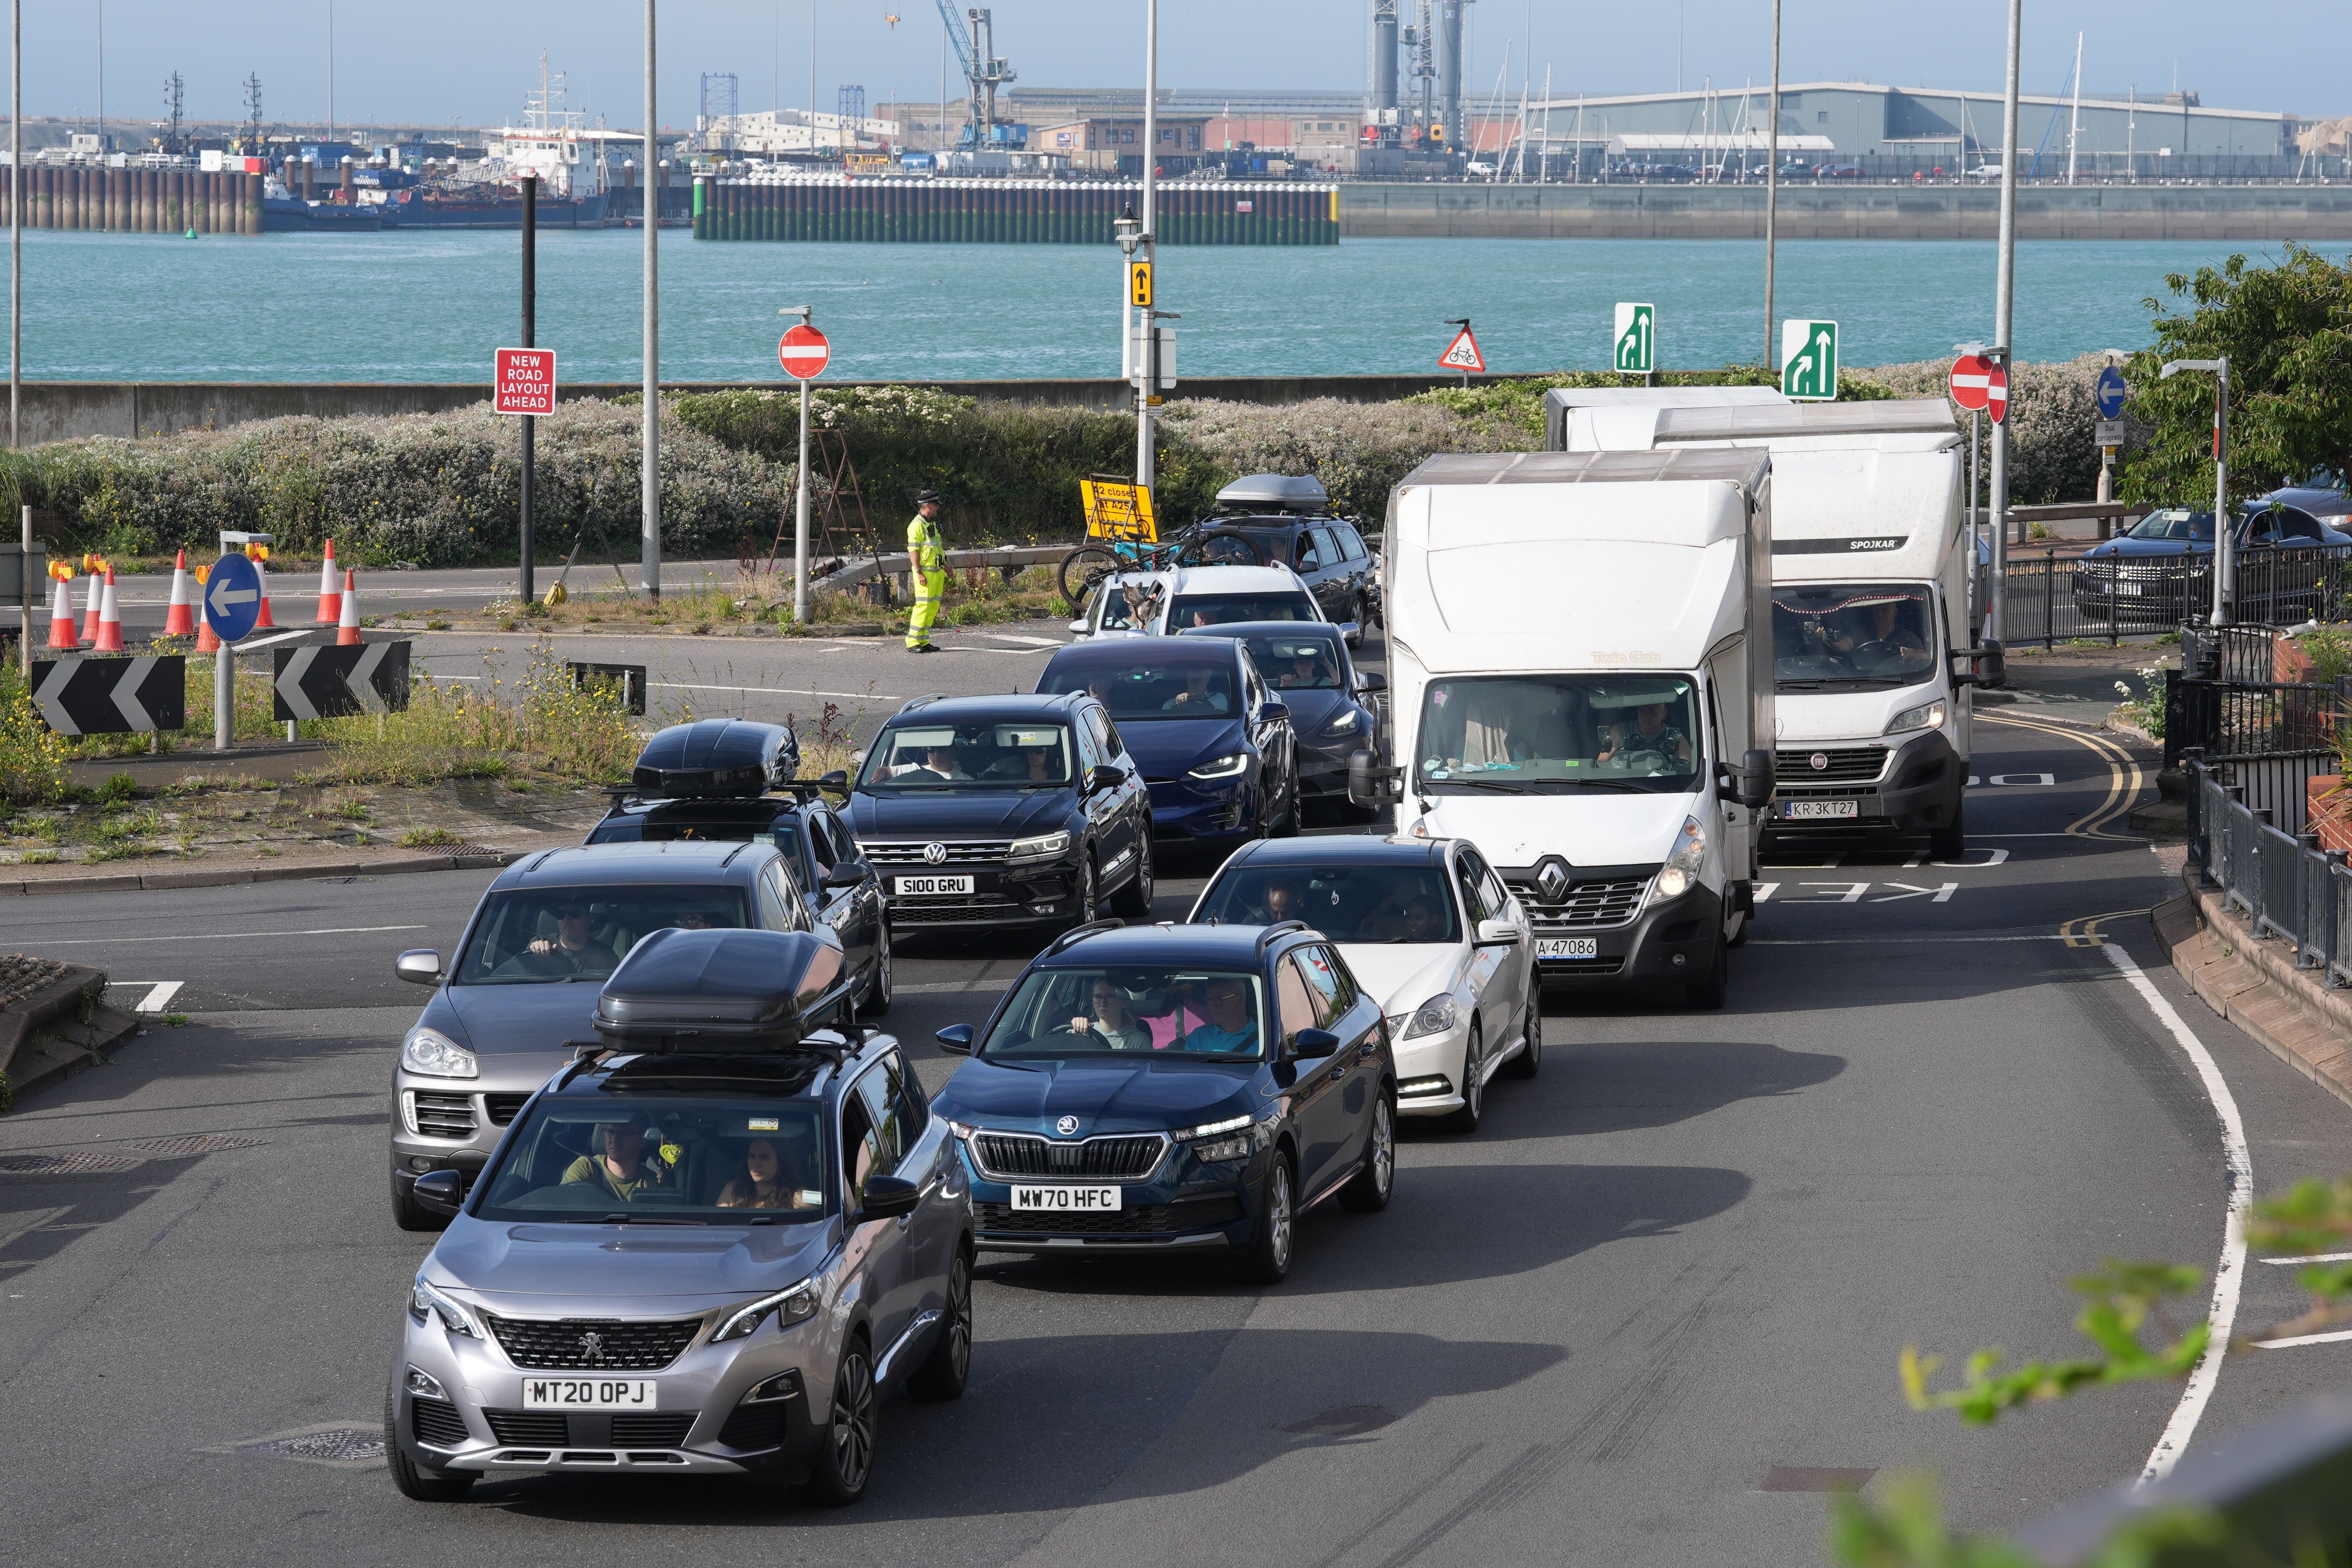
(933, 854)
(1067, 1126)
(1821, 760)
(591, 1348)
(1552, 881)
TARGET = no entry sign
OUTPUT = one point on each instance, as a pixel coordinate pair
(1978, 382)
(523, 381)
(803, 352)
(1997, 394)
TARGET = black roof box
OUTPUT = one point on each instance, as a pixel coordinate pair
(717, 757)
(1276, 492)
(715, 992)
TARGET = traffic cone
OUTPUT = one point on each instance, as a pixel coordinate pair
(347, 624)
(61, 619)
(208, 641)
(89, 616)
(265, 621)
(331, 597)
(109, 619)
(180, 620)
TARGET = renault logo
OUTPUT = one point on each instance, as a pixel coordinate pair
(1067, 1126)
(933, 854)
(1552, 881)
(1821, 760)
(591, 1348)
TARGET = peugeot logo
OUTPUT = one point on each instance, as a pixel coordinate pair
(591, 1348)
(1821, 760)
(1551, 881)
(1067, 1126)
(933, 854)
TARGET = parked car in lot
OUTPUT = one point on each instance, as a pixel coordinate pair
(1427, 927)
(1289, 518)
(1837, 170)
(2289, 564)
(1155, 603)
(510, 998)
(1330, 700)
(1175, 1090)
(815, 1250)
(1214, 743)
(993, 811)
(732, 780)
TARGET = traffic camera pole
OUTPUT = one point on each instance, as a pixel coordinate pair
(530, 316)
(1996, 628)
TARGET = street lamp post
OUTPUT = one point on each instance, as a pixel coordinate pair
(1976, 417)
(2225, 552)
(801, 486)
(1147, 398)
(1771, 186)
(1994, 668)
(649, 459)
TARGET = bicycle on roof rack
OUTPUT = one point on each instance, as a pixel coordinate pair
(1123, 536)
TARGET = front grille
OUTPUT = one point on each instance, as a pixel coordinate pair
(1145, 1219)
(1553, 968)
(1006, 1156)
(935, 911)
(1585, 906)
(961, 852)
(1843, 765)
(758, 1426)
(436, 1422)
(667, 1430)
(589, 1345)
(543, 1428)
(503, 1108)
(444, 1115)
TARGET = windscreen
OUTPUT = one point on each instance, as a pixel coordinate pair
(1399, 903)
(1186, 1012)
(917, 756)
(1151, 686)
(1851, 636)
(1131, 605)
(2175, 523)
(664, 824)
(1222, 609)
(535, 935)
(701, 1161)
(1559, 734)
(1307, 662)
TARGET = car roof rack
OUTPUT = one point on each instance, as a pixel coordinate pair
(1077, 935)
(1278, 931)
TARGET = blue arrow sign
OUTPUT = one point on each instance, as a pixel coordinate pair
(232, 597)
(2111, 394)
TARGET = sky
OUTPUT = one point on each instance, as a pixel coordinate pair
(469, 64)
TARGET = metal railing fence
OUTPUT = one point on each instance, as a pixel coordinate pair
(2287, 885)
(2051, 598)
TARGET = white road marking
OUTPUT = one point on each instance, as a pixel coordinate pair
(1942, 893)
(1923, 936)
(2229, 1275)
(216, 935)
(159, 993)
(2314, 1257)
(2329, 1339)
(1032, 642)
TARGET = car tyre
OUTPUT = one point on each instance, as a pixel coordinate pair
(945, 1371)
(1529, 1061)
(1368, 1192)
(410, 1214)
(876, 1001)
(1134, 900)
(1268, 1261)
(1089, 890)
(1474, 1085)
(844, 1455)
(415, 1483)
(1706, 995)
(1288, 827)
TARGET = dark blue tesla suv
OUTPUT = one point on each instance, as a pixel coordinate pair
(1175, 1089)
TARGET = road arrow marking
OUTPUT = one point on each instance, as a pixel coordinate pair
(222, 597)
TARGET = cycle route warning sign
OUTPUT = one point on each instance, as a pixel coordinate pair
(1117, 510)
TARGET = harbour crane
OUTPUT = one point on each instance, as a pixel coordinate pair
(974, 48)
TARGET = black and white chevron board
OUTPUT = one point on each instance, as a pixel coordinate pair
(331, 682)
(112, 696)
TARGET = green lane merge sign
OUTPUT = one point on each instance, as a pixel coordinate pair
(1808, 361)
(1637, 339)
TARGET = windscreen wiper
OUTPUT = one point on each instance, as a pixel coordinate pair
(643, 1219)
(1478, 784)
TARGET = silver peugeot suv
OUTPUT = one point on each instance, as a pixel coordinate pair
(711, 1247)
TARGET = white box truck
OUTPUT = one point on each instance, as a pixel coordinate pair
(1869, 605)
(1580, 682)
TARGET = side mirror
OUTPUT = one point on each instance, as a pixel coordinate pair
(1497, 933)
(418, 966)
(846, 874)
(1371, 681)
(1078, 626)
(837, 781)
(1105, 777)
(1352, 632)
(888, 1197)
(1309, 1044)
(1755, 779)
(440, 1192)
(955, 1039)
(1370, 784)
(1270, 712)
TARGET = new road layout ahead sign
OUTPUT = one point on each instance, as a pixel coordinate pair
(523, 381)
(331, 682)
(232, 597)
(112, 696)
(1808, 361)
(1637, 339)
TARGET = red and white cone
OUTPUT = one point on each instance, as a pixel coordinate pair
(109, 619)
(347, 626)
(180, 620)
(61, 619)
(90, 609)
(330, 595)
(208, 640)
(265, 621)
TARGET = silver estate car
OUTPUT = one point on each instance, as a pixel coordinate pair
(703, 1259)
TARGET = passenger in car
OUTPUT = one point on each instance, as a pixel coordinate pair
(621, 1165)
(1229, 1027)
(763, 1184)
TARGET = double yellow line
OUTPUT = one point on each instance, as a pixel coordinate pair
(2124, 778)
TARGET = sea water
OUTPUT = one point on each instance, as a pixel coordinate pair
(432, 307)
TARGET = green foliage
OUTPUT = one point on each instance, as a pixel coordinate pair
(2054, 455)
(2287, 331)
(116, 787)
(2311, 1217)
(1903, 1527)
(2122, 1298)
(32, 758)
(2329, 648)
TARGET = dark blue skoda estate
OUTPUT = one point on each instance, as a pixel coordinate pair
(1175, 1088)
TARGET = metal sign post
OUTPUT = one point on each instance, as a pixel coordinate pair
(1463, 354)
(232, 604)
(1971, 376)
(529, 321)
(2111, 394)
(2225, 550)
(804, 353)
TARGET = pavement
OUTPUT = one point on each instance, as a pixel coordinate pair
(1634, 1320)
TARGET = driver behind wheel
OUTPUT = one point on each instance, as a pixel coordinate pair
(1889, 625)
(1649, 743)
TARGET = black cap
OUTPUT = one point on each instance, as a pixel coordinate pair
(927, 497)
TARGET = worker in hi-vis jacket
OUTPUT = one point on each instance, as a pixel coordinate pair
(927, 567)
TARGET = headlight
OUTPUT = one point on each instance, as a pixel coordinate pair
(1041, 847)
(1434, 1017)
(1682, 867)
(436, 1055)
(1235, 1138)
(1927, 716)
(426, 1303)
(1344, 725)
(790, 1305)
(1223, 767)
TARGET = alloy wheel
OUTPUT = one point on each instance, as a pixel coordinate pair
(958, 1326)
(1384, 1147)
(853, 1419)
(1278, 1218)
(1089, 892)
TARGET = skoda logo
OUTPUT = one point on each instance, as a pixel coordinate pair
(591, 1348)
(935, 853)
(1067, 1126)
(1821, 760)
(1551, 881)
